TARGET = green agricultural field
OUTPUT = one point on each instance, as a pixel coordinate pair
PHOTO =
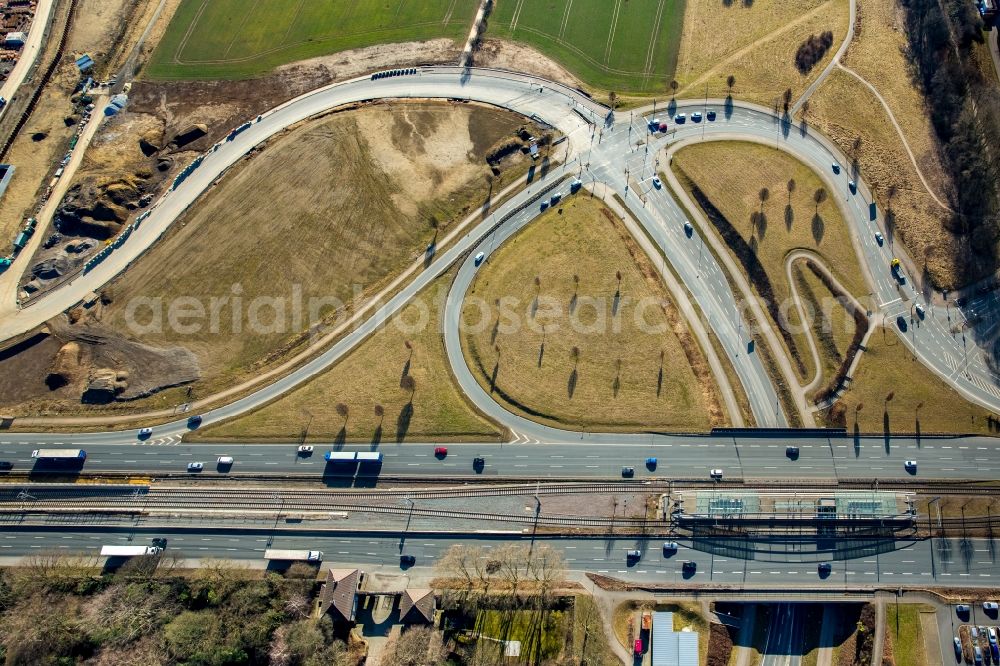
(232, 39)
(620, 45)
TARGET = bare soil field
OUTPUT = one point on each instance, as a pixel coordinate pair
(573, 345)
(731, 177)
(284, 245)
(756, 44)
(97, 29)
(396, 386)
(912, 216)
(893, 393)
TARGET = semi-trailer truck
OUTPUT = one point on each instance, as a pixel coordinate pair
(293, 555)
(128, 551)
(59, 454)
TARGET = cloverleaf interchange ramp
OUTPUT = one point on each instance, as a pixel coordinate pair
(600, 149)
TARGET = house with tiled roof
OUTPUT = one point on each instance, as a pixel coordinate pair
(417, 606)
(339, 594)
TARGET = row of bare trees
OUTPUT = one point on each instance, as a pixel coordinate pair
(512, 570)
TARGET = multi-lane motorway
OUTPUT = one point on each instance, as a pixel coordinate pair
(677, 457)
(900, 563)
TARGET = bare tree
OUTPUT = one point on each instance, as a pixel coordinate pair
(764, 195)
(342, 410)
(791, 188)
(730, 81)
(408, 384)
(819, 197)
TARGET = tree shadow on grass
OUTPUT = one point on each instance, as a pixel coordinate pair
(818, 228)
(403, 421)
(571, 384)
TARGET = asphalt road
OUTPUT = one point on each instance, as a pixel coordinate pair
(903, 563)
(677, 457)
(604, 155)
(783, 646)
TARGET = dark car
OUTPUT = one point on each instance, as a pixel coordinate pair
(901, 323)
(478, 462)
(6, 464)
(792, 452)
(194, 421)
(628, 471)
(690, 566)
(160, 542)
(407, 560)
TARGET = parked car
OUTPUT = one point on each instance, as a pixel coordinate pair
(990, 606)
(305, 449)
(958, 649)
(963, 610)
(638, 646)
(628, 472)
(479, 258)
(977, 656)
(195, 466)
(716, 474)
(440, 451)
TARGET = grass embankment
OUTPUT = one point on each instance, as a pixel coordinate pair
(836, 331)
(322, 218)
(756, 43)
(850, 115)
(590, 640)
(904, 633)
(383, 391)
(229, 39)
(542, 633)
(572, 345)
(727, 180)
(621, 46)
(893, 392)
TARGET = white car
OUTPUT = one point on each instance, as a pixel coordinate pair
(669, 547)
(225, 460)
(305, 448)
(911, 465)
(687, 227)
(657, 183)
(879, 238)
(920, 310)
(145, 432)
(716, 474)
(195, 466)
(480, 257)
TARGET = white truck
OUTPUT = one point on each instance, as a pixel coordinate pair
(293, 555)
(128, 551)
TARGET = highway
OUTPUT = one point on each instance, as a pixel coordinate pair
(784, 636)
(902, 563)
(599, 154)
(678, 457)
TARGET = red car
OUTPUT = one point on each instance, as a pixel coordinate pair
(638, 646)
(441, 451)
